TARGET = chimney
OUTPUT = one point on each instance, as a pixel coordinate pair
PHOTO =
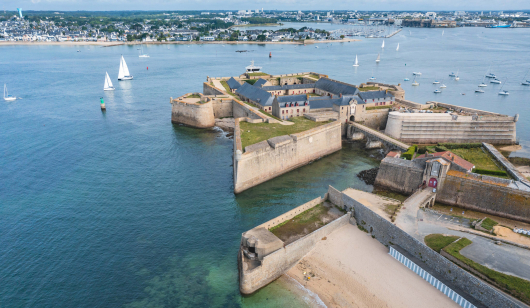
(271, 94)
(340, 95)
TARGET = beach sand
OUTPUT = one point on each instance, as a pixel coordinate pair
(351, 269)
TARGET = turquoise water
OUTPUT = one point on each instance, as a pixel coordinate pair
(124, 208)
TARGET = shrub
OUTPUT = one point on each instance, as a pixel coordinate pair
(422, 150)
(440, 148)
(410, 152)
(460, 145)
(490, 172)
(488, 224)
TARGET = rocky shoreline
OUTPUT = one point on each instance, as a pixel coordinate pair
(368, 176)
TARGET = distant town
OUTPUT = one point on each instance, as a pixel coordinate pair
(152, 26)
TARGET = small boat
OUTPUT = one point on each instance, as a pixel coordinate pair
(397, 48)
(452, 74)
(504, 92)
(415, 83)
(142, 54)
(435, 82)
(316, 46)
(443, 32)
(354, 64)
(79, 51)
(378, 58)
(437, 91)
(406, 79)
(416, 73)
(443, 86)
(383, 46)
(372, 78)
(479, 90)
(123, 73)
(497, 81)
(491, 75)
(7, 97)
(108, 83)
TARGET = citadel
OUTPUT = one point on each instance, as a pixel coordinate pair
(282, 122)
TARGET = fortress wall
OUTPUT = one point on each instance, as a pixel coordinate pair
(468, 110)
(280, 261)
(271, 158)
(292, 213)
(208, 89)
(192, 114)
(492, 198)
(375, 119)
(335, 196)
(395, 175)
(389, 234)
(242, 110)
(222, 108)
(429, 128)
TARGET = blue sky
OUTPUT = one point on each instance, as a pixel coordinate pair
(423, 5)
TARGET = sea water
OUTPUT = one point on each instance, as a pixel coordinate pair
(123, 208)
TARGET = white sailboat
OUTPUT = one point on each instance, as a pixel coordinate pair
(8, 97)
(383, 46)
(483, 84)
(443, 86)
(108, 84)
(372, 78)
(356, 61)
(142, 54)
(414, 82)
(504, 92)
(525, 82)
(443, 32)
(456, 76)
(124, 74)
(378, 58)
(397, 48)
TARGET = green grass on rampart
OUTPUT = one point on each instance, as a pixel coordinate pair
(258, 74)
(438, 241)
(270, 115)
(303, 223)
(252, 133)
(379, 107)
(477, 157)
(518, 287)
(193, 96)
(227, 88)
(488, 224)
(364, 89)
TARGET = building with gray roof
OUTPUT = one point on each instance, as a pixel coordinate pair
(375, 97)
(250, 93)
(329, 87)
(233, 84)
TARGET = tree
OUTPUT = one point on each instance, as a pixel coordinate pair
(261, 38)
(342, 37)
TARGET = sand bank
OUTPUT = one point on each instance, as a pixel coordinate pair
(351, 269)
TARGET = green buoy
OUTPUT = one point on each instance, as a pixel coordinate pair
(102, 104)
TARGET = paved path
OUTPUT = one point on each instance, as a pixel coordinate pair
(218, 85)
(407, 218)
(504, 258)
(379, 135)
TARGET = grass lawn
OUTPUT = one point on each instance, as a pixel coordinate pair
(438, 241)
(518, 287)
(193, 96)
(227, 88)
(379, 107)
(258, 74)
(263, 131)
(477, 157)
(314, 76)
(488, 224)
(304, 223)
(270, 115)
(364, 89)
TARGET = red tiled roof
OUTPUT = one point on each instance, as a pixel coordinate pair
(450, 156)
(393, 154)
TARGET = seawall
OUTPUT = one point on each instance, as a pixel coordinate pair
(280, 261)
(270, 158)
(399, 175)
(192, 113)
(389, 234)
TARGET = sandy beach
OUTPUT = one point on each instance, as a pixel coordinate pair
(110, 44)
(351, 269)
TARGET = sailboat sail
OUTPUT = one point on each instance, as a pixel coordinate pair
(397, 48)
(108, 83)
(383, 46)
(125, 68)
(121, 73)
(378, 58)
(356, 61)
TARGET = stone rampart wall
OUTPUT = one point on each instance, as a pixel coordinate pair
(280, 261)
(481, 196)
(510, 168)
(271, 158)
(397, 177)
(192, 114)
(222, 108)
(335, 197)
(389, 234)
(292, 213)
(242, 110)
(375, 119)
(208, 89)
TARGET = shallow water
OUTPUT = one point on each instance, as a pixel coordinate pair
(124, 208)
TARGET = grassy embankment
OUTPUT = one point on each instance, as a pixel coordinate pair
(258, 74)
(364, 89)
(482, 161)
(257, 132)
(305, 222)
(193, 96)
(518, 287)
(379, 107)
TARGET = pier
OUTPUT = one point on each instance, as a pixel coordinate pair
(394, 33)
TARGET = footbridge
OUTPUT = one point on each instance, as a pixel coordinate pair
(375, 139)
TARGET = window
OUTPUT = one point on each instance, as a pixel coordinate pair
(297, 110)
(390, 103)
(283, 111)
(304, 109)
(376, 104)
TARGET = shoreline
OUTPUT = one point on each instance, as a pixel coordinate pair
(110, 44)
